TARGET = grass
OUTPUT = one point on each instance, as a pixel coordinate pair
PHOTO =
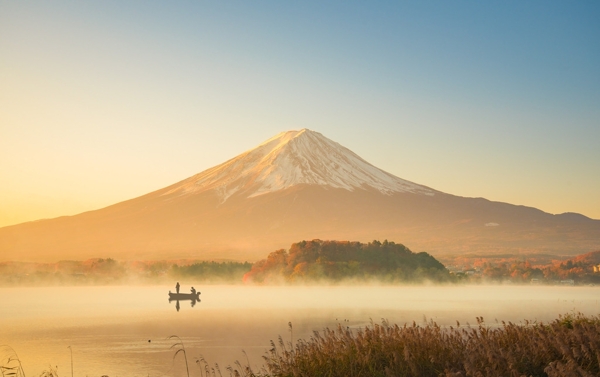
(568, 346)
(10, 365)
(180, 348)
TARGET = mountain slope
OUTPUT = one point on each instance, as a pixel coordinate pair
(297, 185)
(292, 158)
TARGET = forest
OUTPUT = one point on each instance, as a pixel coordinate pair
(108, 271)
(313, 262)
(342, 261)
(526, 269)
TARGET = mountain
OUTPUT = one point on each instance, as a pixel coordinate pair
(294, 158)
(298, 185)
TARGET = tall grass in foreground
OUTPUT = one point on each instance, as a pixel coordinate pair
(568, 346)
(10, 365)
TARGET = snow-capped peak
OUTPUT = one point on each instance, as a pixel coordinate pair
(291, 158)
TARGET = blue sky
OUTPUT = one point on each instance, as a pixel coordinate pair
(104, 101)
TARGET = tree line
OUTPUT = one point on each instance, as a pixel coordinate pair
(336, 261)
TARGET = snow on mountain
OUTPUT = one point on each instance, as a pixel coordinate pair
(292, 158)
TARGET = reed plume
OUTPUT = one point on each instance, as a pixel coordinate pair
(568, 346)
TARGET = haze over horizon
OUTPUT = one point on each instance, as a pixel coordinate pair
(104, 102)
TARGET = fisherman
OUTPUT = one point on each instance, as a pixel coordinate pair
(177, 287)
(193, 291)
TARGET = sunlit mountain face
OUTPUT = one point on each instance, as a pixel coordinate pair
(290, 159)
(297, 185)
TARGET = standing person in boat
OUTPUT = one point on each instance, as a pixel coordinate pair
(177, 287)
(193, 292)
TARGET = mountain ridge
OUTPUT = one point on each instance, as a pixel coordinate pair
(291, 158)
(252, 204)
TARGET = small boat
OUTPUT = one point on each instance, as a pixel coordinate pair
(184, 296)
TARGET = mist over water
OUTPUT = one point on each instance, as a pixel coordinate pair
(123, 330)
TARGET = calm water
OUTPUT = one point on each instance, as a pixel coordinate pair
(123, 331)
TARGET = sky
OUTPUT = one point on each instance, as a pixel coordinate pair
(105, 101)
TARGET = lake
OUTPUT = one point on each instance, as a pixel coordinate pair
(123, 331)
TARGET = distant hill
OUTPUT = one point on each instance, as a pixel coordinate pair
(335, 261)
(296, 185)
(589, 259)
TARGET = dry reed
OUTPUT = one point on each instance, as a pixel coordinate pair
(10, 365)
(568, 346)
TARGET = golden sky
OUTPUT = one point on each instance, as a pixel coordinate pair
(103, 102)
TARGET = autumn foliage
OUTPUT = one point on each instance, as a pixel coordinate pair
(335, 261)
(546, 269)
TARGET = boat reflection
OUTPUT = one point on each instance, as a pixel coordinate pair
(193, 297)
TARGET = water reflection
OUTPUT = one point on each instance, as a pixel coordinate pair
(109, 326)
(193, 297)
